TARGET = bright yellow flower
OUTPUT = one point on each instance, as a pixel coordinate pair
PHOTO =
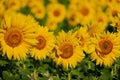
(46, 42)
(115, 2)
(86, 11)
(12, 4)
(116, 22)
(38, 9)
(52, 25)
(107, 47)
(56, 12)
(17, 35)
(73, 18)
(67, 51)
(101, 19)
(84, 39)
(94, 28)
(113, 10)
(72, 15)
(99, 23)
(23, 3)
(32, 3)
(100, 3)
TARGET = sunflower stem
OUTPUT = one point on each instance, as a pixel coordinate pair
(69, 76)
(35, 75)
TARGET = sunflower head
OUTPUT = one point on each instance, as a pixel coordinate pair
(67, 51)
(12, 4)
(113, 10)
(73, 18)
(51, 24)
(86, 12)
(116, 22)
(84, 39)
(17, 35)
(106, 48)
(38, 9)
(41, 42)
(56, 12)
(13, 37)
(45, 44)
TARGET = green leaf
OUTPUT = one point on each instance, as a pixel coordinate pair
(81, 74)
(118, 61)
(25, 10)
(5, 75)
(8, 76)
(25, 77)
(54, 78)
(64, 2)
(41, 70)
(0, 78)
(75, 72)
(43, 78)
(3, 62)
(105, 75)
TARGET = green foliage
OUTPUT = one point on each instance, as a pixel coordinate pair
(31, 69)
(3, 62)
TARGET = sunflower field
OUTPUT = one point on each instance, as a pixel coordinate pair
(59, 39)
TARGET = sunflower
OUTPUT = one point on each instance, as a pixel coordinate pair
(113, 10)
(86, 11)
(84, 39)
(38, 9)
(72, 15)
(17, 35)
(12, 4)
(32, 3)
(67, 51)
(107, 47)
(51, 24)
(116, 22)
(73, 18)
(56, 12)
(45, 43)
(23, 3)
(98, 24)
(100, 3)
(94, 28)
(101, 18)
